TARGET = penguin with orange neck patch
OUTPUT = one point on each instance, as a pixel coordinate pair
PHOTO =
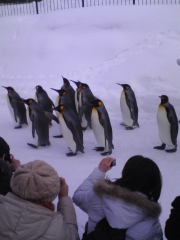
(167, 125)
(71, 129)
(16, 107)
(101, 127)
(40, 125)
(129, 108)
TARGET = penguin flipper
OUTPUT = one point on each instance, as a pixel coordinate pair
(51, 116)
(172, 117)
(33, 126)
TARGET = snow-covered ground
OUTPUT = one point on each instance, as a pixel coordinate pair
(101, 46)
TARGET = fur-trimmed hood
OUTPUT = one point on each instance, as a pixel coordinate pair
(104, 187)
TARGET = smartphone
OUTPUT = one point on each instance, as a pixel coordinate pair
(113, 163)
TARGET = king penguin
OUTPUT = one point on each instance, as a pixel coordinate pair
(44, 101)
(167, 125)
(71, 129)
(67, 87)
(40, 125)
(16, 107)
(63, 98)
(86, 96)
(77, 94)
(129, 108)
(101, 126)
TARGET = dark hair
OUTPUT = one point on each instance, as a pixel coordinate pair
(143, 175)
(4, 147)
(5, 177)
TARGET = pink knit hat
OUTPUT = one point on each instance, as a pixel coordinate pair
(36, 180)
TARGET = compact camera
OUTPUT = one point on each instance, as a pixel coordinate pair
(7, 157)
(113, 163)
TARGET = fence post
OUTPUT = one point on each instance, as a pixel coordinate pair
(37, 7)
(82, 3)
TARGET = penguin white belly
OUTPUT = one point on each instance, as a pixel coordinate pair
(30, 124)
(164, 126)
(11, 110)
(67, 134)
(28, 118)
(57, 114)
(84, 121)
(126, 116)
(35, 97)
(97, 128)
(76, 102)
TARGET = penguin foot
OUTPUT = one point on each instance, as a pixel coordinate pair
(58, 136)
(18, 127)
(171, 150)
(123, 124)
(71, 154)
(31, 145)
(162, 147)
(106, 153)
(84, 128)
(129, 128)
(43, 145)
(99, 149)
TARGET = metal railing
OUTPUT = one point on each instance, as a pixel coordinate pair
(8, 8)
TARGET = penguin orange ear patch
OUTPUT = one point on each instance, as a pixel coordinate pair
(30, 101)
(84, 87)
(61, 108)
(9, 90)
(99, 104)
(127, 88)
(64, 93)
(37, 87)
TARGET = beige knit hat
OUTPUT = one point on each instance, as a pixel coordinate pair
(36, 180)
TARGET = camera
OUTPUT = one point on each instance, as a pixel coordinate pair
(7, 157)
(113, 163)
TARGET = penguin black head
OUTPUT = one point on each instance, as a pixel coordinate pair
(9, 89)
(28, 101)
(96, 103)
(78, 83)
(164, 99)
(125, 86)
(84, 86)
(66, 81)
(39, 88)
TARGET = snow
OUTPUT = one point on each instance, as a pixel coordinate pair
(101, 46)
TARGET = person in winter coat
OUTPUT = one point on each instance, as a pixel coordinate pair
(28, 212)
(172, 226)
(130, 202)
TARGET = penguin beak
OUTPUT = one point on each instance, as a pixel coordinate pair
(55, 89)
(119, 84)
(22, 100)
(4, 87)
